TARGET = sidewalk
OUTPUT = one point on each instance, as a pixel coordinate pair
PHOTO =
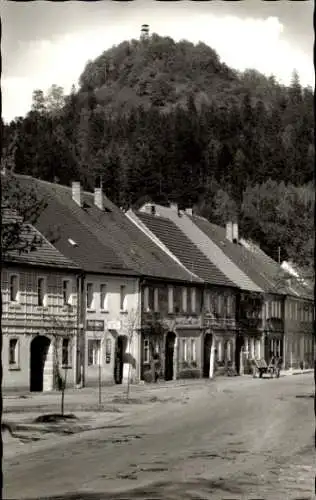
(116, 410)
(89, 396)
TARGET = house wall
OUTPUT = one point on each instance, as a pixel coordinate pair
(172, 310)
(263, 330)
(105, 325)
(219, 320)
(23, 320)
(299, 338)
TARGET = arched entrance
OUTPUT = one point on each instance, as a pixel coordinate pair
(169, 353)
(39, 350)
(208, 340)
(239, 346)
(121, 345)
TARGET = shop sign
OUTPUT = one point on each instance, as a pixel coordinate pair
(95, 325)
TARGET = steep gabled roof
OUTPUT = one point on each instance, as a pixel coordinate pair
(183, 248)
(102, 241)
(43, 253)
(241, 256)
(210, 250)
(251, 259)
(284, 282)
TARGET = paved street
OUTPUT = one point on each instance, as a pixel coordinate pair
(232, 438)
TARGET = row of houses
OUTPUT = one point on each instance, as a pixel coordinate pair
(106, 292)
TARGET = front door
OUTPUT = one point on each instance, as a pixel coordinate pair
(118, 367)
(170, 341)
(239, 346)
(208, 339)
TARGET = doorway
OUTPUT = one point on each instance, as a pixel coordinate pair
(121, 345)
(39, 351)
(208, 340)
(239, 346)
(170, 342)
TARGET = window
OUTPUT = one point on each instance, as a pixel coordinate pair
(311, 314)
(13, 352)
(66, 292)
(225, 306)
(146, 351)
(229, 306)
(14, 288)
(151, 298)
(228, 351)
(252, 347)
(193, 300)
(184, 349)
(122, 297)
(66, 352)
(40, 291)
(258, 348)
(220, 305)
(177, 299)
(94, 352)
(184, 299)
(146, 298)
(156, 346)
(170, 299)
(103, 298)
(267, 310)
(219, 354)
(156, 299)
(246, 346)
(89, 295)
(193, 350)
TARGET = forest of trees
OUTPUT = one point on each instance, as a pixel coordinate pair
(166, 121)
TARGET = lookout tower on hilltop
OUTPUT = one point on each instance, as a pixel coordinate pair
(144, 32)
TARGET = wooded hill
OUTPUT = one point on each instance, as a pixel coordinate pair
(167, 121)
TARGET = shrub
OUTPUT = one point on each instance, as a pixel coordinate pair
(148, 376)
(189, 373)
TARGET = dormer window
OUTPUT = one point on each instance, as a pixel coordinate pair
(72, 242)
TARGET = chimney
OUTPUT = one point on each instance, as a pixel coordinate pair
(235, 232)
(77, 193)
(153, 210)
(189, 211)
(98, 198)
(229, 231)
(174, 207)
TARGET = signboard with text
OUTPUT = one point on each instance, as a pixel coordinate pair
(95, 325)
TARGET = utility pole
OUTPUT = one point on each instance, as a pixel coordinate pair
(279, 255)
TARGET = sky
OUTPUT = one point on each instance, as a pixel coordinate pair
(45, 43)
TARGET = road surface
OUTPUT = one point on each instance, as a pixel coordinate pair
(233, 439)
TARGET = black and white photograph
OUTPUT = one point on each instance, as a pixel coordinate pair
(157, 250)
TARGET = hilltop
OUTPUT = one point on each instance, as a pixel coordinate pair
(162, 73)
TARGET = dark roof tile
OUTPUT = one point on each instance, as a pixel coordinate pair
(106, 241)
(186, 251)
